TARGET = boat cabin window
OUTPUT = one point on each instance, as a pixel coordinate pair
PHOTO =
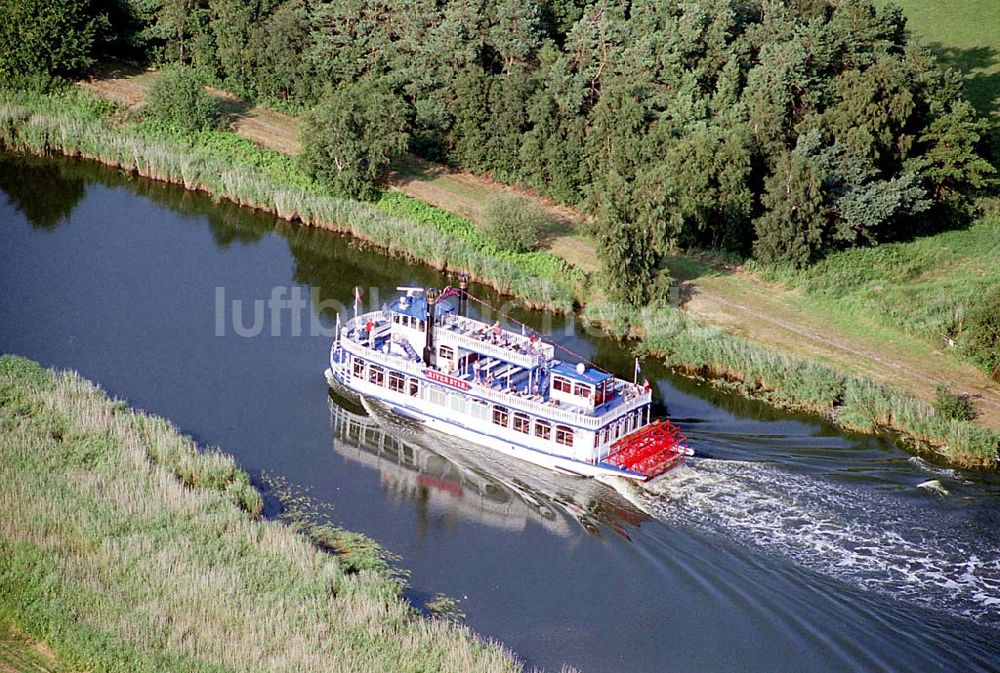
(446, 353)
(437, 396)
(581, 390)
(479, 409)
(500, 416)
(564, 435)
(359, 368)
(543, 430)
(458, 403)
(522, 423)
(414, 388)
(376, 375)
(396, 382)
(562, 385)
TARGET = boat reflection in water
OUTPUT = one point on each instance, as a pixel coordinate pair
(479, 486)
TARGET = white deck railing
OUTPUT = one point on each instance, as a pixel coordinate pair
(506, 398)
(486, 347)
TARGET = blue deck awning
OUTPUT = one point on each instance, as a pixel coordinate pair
(416, 307)
(590, 375)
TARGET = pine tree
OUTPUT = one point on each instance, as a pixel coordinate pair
(949, 158)
(44, 39)
(795, 220)
(629, 237)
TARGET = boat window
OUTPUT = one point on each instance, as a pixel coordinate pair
(564, 435)
(500, 416)
(543, 430)
(561, 384)
(359, 368)
(376, 375)
(605, 435)
(396, 382)
(479, 409)
(420, 324)
(414, 387)
(522, 423)
(458, 403)
(581, 390)
(436, 396)
(446, 352)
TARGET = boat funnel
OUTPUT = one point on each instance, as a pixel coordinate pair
(431, 296)
(463, 297)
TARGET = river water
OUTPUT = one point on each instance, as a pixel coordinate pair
(785, 545)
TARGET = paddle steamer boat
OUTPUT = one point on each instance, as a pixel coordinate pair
(500, 389)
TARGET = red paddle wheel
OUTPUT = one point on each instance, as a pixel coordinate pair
(650, 450)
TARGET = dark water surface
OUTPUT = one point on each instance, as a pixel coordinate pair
(784, 546)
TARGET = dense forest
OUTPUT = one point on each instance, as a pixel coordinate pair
(782, 130)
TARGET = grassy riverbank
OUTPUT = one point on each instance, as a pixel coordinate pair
(124, 548)
(231, 168)
(854, 402)
(21, 654)
(75, 123)
(923, 287)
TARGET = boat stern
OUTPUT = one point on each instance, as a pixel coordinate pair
(650, 451)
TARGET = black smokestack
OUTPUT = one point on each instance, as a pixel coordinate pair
(429, 345)
(463, 297)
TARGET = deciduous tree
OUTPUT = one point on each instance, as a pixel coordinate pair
(350, 137)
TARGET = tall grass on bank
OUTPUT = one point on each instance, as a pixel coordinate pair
(75, 125)
(126, 549)
(926, 287)
(853, 402)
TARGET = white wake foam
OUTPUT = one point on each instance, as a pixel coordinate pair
(863, 537)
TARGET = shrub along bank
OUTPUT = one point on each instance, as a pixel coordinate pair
(233, 169)
(125, 548)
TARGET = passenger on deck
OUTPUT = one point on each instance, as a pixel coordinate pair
(369, 329)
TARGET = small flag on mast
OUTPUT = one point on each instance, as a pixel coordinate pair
(635, 374)
(357, 300)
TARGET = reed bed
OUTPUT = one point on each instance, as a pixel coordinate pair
(853, 402)
(127, 549)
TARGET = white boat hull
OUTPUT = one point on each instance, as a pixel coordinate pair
(382, 406)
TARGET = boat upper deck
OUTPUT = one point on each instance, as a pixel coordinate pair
(505, 373)
(501, 344)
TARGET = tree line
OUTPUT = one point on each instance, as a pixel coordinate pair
(779, 129)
